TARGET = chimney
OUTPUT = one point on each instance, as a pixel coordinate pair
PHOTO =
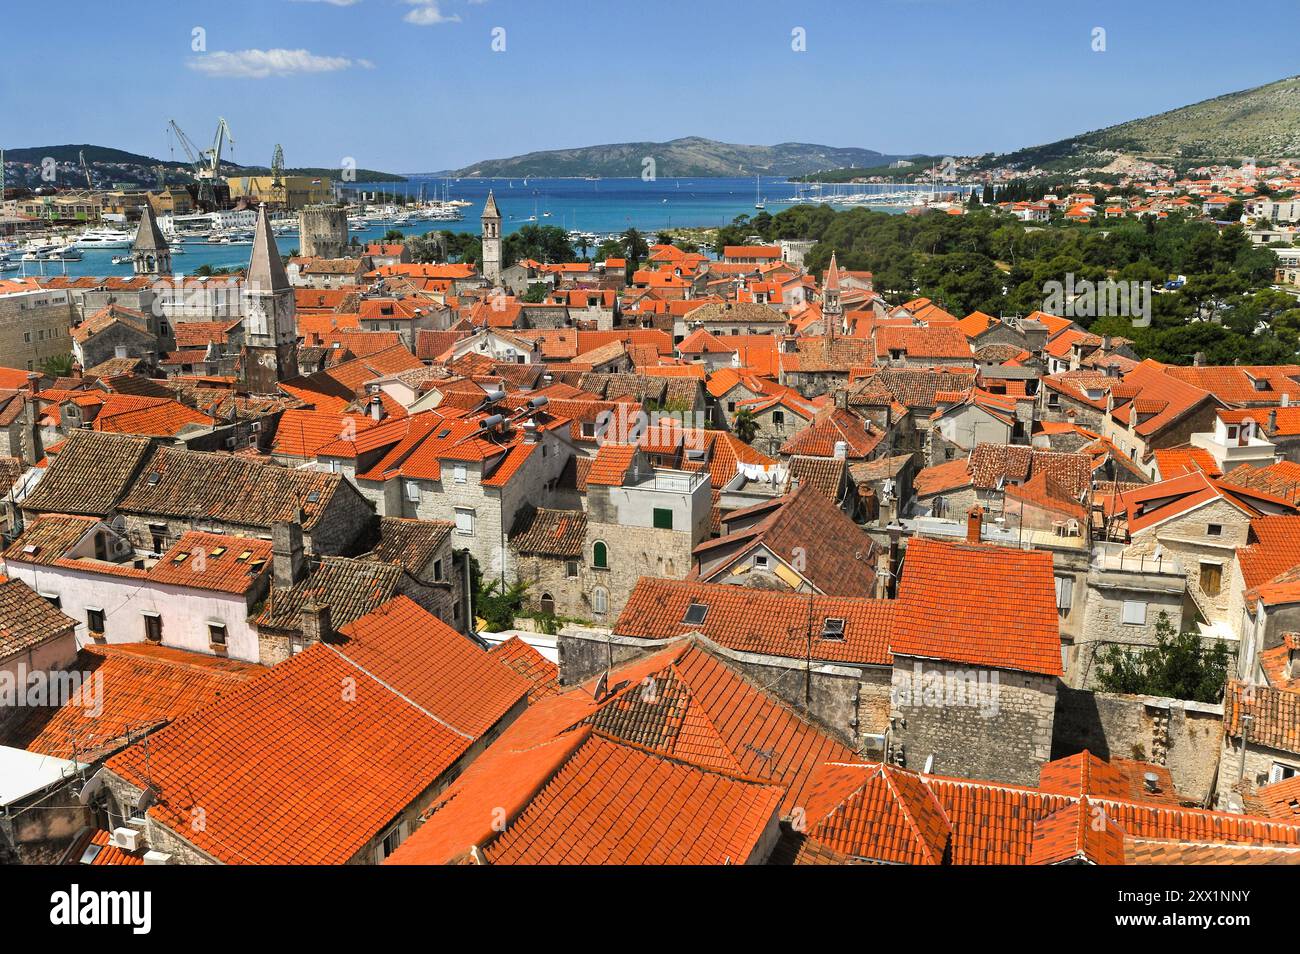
(1292, 655)
(841, 450)
(1272, 421)
(317, 626)
(77, 370)
(974, 524)
(882, 575)
(376, 407)
(842, 398)
(287, 562)
(1105, 344)
(1151, 782)
(1198, 359)
(33, 381)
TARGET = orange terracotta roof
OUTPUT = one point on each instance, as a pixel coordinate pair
(333, 767)
(1006, 619)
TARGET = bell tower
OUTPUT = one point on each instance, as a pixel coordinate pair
(491, 242)
(270, 315)
(150, 253)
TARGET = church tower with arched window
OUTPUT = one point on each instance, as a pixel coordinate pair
(150, 254)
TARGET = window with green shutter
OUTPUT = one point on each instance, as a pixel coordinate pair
(663, 518)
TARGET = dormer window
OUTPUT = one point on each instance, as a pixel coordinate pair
(833, 628)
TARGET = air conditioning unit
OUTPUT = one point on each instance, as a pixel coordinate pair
(157, 858)
(128, 839)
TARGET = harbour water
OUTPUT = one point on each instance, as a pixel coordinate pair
(599, 206)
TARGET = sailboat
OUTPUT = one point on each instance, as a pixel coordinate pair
(758, 201)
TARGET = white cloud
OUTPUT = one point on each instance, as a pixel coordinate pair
(258, 64)
(428, 13)
(332, 3)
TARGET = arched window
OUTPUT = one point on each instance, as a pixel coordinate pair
(548, 604)
(600, 555)
(599, 601)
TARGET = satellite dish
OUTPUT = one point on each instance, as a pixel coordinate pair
(602, 686)
(929, 764)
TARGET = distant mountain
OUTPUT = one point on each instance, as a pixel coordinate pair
(116, 165)
(1263, 122)
(690, 156)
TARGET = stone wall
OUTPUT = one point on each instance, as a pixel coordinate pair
(850, 702)
(976, 722)
(1182, 736)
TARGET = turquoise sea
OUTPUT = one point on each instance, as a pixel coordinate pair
(600, 206)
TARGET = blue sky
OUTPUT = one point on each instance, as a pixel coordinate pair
(415, 85)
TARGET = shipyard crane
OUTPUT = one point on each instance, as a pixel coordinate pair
(206, 162)
(81, 156)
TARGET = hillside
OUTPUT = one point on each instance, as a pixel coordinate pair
(689, 156)
(1263, 122)
(116, 165)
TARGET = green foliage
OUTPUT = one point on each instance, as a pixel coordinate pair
(543, 243)
(1178, 666)
(536, 293)
(394, 236)
(745, 424)
(57, 366)
(989, 261)
(498, 606)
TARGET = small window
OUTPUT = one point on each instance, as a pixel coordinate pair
(600, 555)
(760, 561)
(571, 569)
(437, 569)
(663, 518)
(458, 473)
(778, 418)
(1064, 593)
(391, 841)
(54, 599)
(464, 521)
(1214, 530)
(599, 601)
(695, 614)
(1211, 578)
(1135, 613)
(547, 604)
(153, 627)
(833, 628)
(217, 634)
(95, 621)
(412, 491)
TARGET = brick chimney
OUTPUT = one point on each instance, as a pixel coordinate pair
(974, 524)
(1272, 421)
(288, 565)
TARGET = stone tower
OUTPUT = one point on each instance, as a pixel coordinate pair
(150, 254)
(322, 231)
(491, 242)
(270, 316)
(832, 311)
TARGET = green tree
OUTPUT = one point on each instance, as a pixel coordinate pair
(634, 249)
(745, 424)
(498, 606)
(1178, 666)
(394, 236)
(57, 366)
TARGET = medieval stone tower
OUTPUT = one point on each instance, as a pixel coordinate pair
(150, 254)
(491, 242)
(270, 315)
(322, 231)
(832, 310)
